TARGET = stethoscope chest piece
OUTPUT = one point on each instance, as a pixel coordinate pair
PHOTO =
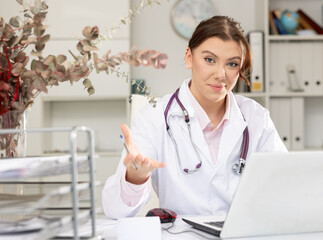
(238, 168)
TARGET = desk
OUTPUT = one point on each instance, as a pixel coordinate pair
(108, 229)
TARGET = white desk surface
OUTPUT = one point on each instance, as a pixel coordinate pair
(108, 230)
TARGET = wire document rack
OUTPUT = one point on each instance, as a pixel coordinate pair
(20, 170)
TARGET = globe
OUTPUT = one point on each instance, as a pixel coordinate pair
(289, 20)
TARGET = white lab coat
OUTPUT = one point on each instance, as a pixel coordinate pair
(208, 191)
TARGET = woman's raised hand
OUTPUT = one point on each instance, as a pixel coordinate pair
(138, 165)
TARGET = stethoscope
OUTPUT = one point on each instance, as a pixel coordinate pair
(237, 167)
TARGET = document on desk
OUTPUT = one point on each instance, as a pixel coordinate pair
(38, 166)
(26, 225)
(139, 228)
(25, 204)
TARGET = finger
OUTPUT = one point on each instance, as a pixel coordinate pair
(138, 160)
(126, 134)
(145, 162)
(155, 164)
(128, 160)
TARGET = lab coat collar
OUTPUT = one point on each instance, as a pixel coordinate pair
(184, 98)
(234, 115)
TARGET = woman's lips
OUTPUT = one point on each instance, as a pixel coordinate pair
(216, 87)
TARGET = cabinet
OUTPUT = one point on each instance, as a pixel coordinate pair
(298, 116)
(28, 208)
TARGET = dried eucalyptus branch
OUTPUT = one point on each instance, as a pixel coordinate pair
(107, 63)
(25, 84)
(21, 84)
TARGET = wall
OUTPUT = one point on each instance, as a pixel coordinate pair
(153, 29)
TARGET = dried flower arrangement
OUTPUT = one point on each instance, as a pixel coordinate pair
(19, 86)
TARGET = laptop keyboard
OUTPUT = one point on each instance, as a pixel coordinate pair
(216, 224)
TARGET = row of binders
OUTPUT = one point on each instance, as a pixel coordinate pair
(293, 67)
(306, 61)
(305, 23)
(288, 116)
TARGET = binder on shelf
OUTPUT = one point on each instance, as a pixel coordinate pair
(272, 25)
(278, 13)
(281, 116)
(297, 123)
(282, 60)
(256, 41)
(279, 27)
(273, 75)
(317, 70)
(304, 24)
(306, 63)
(279, 58)
(310, 21)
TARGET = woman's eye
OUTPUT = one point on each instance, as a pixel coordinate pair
(233, 64)
(209, 60)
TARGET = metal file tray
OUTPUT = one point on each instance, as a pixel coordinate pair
(44, 226)
(27, 204)
(13, 170)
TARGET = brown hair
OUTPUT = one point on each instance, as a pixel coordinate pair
(227, 29)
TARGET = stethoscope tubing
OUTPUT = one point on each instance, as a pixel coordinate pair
(237, 168)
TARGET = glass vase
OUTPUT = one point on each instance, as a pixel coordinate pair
(13, 144)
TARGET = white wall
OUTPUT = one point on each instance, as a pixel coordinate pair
(153, 29)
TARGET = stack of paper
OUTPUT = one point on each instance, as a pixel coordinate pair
(25, 225)
(25, 204)
(45, 226)
(39, 166)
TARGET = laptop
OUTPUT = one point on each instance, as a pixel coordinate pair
(278, 193)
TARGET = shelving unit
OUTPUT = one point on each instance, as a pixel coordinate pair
(297, 115)
(273, 38)
(21, 170)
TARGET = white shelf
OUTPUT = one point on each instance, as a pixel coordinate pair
(310, 149)
(274, 38)
(294, 0)
(109, 154)
(252, 94)
(83, 98)
(295, 94)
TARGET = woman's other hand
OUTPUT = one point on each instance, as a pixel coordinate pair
(138, 165)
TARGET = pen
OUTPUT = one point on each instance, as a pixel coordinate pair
(127, 149)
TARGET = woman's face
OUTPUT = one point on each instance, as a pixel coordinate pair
(215, 68)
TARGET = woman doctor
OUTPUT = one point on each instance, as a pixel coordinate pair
(193, 160)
